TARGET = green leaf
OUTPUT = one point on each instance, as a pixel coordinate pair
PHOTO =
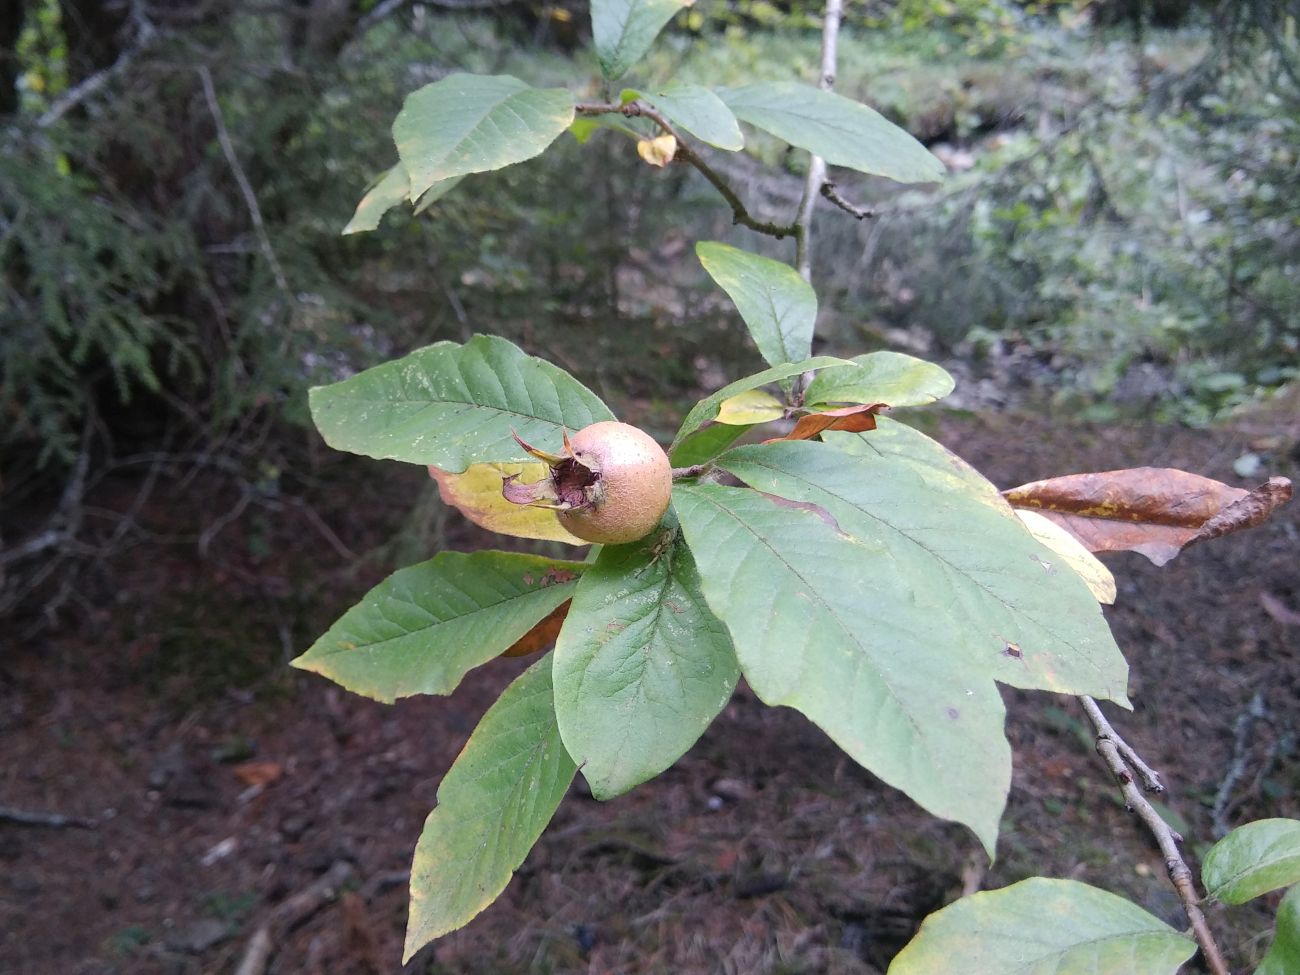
(705, 444)
(841, 131)
(821, 624)
(435, 193)
(700, 112)
(493, 804)
(453, 405)
(778, 306)
(1061, 927)
(424, 627)
(707, 408)
(881, 377)
(388, 191)
(1283, 957)
(932, 461)
(1017, 612)
(623, 30)
(641, 666)
(1252, 860)
(475, 123)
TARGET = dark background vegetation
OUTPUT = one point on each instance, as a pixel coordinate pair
(1110, 271)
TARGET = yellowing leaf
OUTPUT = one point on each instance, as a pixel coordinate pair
(658, 151)
(1077, 557)
(751, 406)
(476, 493)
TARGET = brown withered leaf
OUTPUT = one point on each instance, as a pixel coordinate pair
(542, 635)
(852, 419)
(1155, 511)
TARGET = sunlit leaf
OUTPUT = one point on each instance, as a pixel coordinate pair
(893, 378)
(840, 130)
(1283, 957)
(623, 30)
(700, 112)
(1061, 927)
(467, 123)
(1015, 610)
(1097, 577)
(778, 307)
(1157, 511)
(424, 627)
(642, 666)
(453, 405)
(750, 407)
(388, 192)
(822, 623)
(707, 409)
(932, 461)
(493, 804)
(476, 493)
(1252, 860)
(658, 151)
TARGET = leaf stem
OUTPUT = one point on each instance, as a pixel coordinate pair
(1113, 751)
(739, 212)
(695, 470)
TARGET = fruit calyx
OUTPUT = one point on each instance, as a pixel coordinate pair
(611, 484)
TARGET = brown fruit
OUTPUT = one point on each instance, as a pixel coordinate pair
(633, 485)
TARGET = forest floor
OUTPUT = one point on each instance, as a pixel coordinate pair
(224, 794)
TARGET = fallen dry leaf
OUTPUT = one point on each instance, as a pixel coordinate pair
(258, 773)
(1156, 511)
(1279, 610)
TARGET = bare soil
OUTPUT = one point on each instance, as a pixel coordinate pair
(221, 785)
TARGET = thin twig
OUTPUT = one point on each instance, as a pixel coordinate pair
(831, 193)
(246, 188)
(739, 212)
(1237, 767)
(1179, 873)
(24, 817)
(78, 93)
(816, 176)
(695, 470)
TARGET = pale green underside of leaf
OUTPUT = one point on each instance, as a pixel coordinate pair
(390, 190)
(707, 408)
(1044, 927)
(492, 806)
(453, 405)
(1283, 957)
(778, 306)
(820, 624)
(642, 666)
(932, 461)
(465, 124)
(1015, 610)
(700, 112)
(387, 192)
(1252, 860)
(882, 377)
(623, 30)
(424, 627)
(841, 131)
